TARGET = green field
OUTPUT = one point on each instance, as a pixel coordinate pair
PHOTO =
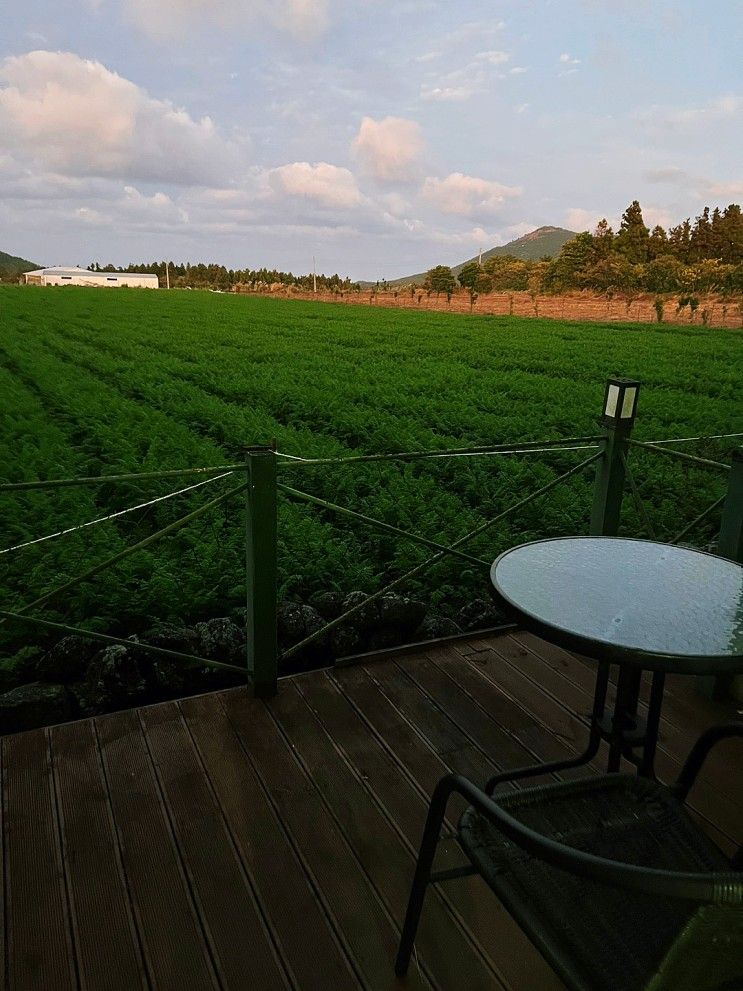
(103, 382)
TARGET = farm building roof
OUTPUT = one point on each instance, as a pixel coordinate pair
(72, 271)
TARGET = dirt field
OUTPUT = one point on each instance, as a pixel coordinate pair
(580, 306)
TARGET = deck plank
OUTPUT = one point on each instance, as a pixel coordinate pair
(374, 831)
(442, 735)
(363, 923)
(303, 930)
(677, 734)
(106, 940)
(242, 949)
(224, 842)
(385, 772)
(568, 697)
(174, 944)
(38, 929)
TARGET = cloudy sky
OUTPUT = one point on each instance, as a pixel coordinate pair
(382, 137)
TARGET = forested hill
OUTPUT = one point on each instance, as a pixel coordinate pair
(11, 266)
(705, 256)
(544, 242)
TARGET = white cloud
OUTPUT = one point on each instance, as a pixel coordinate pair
(447, 94)
(723, 189)
(390, 148)
(670, 174)
(578, 219)
(686, 119)
(466, 195)
(305, 20)
(569, 64)
(461, 84)
(77, 118)
(327, 185)
(492, 57)
(655, 215)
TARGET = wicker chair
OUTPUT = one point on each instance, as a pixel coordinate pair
(612, 880)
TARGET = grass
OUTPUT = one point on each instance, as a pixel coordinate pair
(95, 382)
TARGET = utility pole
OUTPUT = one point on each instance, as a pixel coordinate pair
(314, 276)
(167, 275)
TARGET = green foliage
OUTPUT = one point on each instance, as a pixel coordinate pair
(469, 275)
(706, 257)
(214, 276)
(103, 383)
(440, 279)
(632, 239)
(11, 266)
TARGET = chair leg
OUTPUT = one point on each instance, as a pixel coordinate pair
(431, 833)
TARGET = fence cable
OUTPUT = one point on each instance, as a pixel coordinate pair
(112, 516)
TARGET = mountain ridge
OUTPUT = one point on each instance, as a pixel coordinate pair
(13, 265)
(545, 241)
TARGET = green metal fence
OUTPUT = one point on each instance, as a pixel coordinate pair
(261, 485)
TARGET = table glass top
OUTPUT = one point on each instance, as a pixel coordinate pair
(631, 594)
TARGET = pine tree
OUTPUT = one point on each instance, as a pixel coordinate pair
(633, 236)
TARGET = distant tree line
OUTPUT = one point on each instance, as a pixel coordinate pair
(200, 276)
(689, 259)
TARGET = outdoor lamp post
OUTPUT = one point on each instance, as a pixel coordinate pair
(620, 402)
(618, 417)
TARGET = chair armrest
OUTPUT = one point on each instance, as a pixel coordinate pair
(698, 754)
(715, 888)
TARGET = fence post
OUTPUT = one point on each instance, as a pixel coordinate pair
(730, 545)
(260, 579)
(620, 405)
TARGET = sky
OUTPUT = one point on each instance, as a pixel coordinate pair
(378, 137)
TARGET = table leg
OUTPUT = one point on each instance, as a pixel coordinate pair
(625, 713)
(592, 748)
(646, 767)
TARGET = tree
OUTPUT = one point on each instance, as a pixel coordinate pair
(440, 279)
(468, 275)
(633, 236)
(603, 240)
(664, 274)
(679, 240)
(658, 243)
(566, 271)
(507, 272)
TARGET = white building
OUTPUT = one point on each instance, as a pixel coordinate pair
(58, 275)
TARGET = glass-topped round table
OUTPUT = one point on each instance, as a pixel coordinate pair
(636, 603)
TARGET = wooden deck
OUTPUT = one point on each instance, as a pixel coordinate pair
(223, 842)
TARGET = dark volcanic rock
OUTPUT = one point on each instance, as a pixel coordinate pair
(88, 700)
(295, 622)
(479, 614)
(367, 618)
(172, 637)
(401, 614)
(67, 660)
(116, 678)
(345, 641)
(34, 705)
(434, 627)
(23, 668)
(221, 640)
(328, 604)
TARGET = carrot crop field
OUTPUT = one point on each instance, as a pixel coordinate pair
(99, 383)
